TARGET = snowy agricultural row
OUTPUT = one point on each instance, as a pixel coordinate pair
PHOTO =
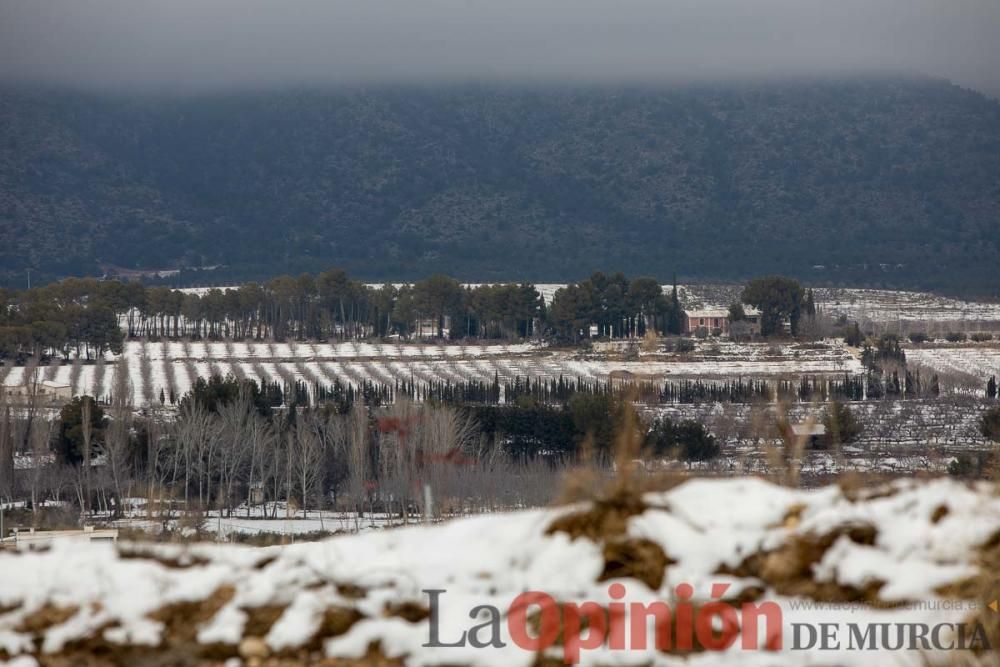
(151, 370)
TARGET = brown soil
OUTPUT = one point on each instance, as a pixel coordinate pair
(637, 558)
(606, 517)
(940, 512)
(48, 616)
(413, 612)
(788, 570)
(260, 619)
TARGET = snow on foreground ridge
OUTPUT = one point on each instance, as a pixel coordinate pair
(904, 554)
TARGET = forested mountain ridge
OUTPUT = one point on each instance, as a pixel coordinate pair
(815, 179)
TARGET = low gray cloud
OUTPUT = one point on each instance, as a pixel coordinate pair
(199, 44)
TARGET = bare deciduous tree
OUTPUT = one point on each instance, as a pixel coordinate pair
(86, 429)
(235, 424)
(358, 456)
(40, 436)
(118, 447)
(261, 440)
(6, 451)
(194, 447)
(307, 453)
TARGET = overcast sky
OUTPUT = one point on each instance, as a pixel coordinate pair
(208, 44)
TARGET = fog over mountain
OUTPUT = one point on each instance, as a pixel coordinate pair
(491, 182)
(847, 141)
(194, 44)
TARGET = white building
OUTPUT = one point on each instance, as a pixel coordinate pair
(40, 539)
(46, 391)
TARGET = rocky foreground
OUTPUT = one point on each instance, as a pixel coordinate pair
(911, 567)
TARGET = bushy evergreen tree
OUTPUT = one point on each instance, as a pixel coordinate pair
(689, 440)
(69, 440)
(989, 424)
(779, 299)
(841, 426)
(217, 391)
(854, 337)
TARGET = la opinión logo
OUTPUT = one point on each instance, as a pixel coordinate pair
(536, 621)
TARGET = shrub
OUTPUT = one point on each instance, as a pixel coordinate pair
(955, 337)
(218, 390)
(918, 338)
(740, 331)
(854, 337)
(684, 346)
(989, 424)
(970, 465)
(689, 439)
(696, 443)
(982, 337)
(842, 427)
(962, 466)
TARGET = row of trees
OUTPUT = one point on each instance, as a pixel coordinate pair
(618, 306)
(556, 391)
(63, 318)
(227, 449)
(90, 312)
(559, 390)
(87, 314)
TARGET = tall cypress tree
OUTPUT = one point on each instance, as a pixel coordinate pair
(676, 313)
(810, 307)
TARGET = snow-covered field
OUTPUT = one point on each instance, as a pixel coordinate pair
(886, 306)
(906, 554)
(872, 307)
(921, 425)
(546, 290)
(202, 291)
(980, 362)
(147, 368)
(274, 518)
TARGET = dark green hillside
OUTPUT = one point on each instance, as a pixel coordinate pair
(504, 183)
